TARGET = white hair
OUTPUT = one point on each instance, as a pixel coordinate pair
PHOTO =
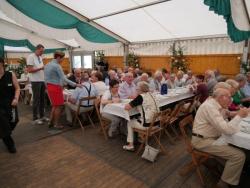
(157, 73)
(222, 85)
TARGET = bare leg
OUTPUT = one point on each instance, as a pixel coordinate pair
(57, 113)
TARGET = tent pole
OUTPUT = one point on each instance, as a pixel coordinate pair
(129, 9)
(70, 49)
(125, 54)
(245, 56)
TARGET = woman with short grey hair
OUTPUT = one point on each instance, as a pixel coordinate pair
(147, 106)
(239, 97)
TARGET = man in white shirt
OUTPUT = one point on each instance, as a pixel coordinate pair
(209, 125)
(127, 89)
(35, 68)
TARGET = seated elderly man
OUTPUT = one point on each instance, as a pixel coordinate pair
(210, 80)
(76, 77)
(87, 90)
(209, 124)
(155, 84)
(97, 80)
(147, 106)
(127, 89)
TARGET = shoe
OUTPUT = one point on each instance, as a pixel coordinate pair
(45, 119)
(110, 134)
(58, 127)
(50, 124)
(12, 149)
(128, 148)
(38, 122)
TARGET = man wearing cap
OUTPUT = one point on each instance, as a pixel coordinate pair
(35, 68)
(55, 78)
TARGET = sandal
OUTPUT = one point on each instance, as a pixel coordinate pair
(59, 127)
(128, 148)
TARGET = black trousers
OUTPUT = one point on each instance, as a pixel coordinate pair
(38, 89)
(9, 142)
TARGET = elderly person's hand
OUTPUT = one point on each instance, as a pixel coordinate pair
(243, 112)
(79, 85)
(128, 107)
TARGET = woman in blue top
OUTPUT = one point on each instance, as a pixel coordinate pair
(55, 78)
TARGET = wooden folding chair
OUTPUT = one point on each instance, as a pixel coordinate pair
(104, 122)
(87, 112)
(198, 157)
(154, 131)
(174, 116)
(189, 106)
(165, 122)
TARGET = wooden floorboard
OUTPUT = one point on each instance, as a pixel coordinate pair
(85, 159)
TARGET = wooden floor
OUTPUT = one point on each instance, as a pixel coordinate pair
(76, 159)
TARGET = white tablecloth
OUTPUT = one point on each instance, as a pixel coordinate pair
(241, 139)
(171, 97)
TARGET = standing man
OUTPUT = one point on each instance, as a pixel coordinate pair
(35, 68)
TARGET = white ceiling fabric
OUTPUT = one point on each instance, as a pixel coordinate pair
(14, 32)
(172, 19)
(66, 35)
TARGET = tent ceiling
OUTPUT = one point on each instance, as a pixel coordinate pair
(171, 19)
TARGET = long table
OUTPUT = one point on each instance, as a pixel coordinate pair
(174, 95)
(242, 138)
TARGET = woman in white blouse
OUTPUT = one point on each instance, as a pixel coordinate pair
(111, 96)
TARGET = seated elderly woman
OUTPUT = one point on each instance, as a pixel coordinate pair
(179, 80)
(147, 106)
(239, 98)
(111, 96)
(171, 82)
(155, 84)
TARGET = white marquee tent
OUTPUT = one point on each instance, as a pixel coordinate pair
(148, 26)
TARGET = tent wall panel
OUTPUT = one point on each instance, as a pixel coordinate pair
(65, 64)
(228, 64)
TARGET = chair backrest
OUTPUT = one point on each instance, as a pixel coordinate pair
(165, 117)
(84, 99)
(154, 122)
(186, 124)
(97, 108)
(177, 109)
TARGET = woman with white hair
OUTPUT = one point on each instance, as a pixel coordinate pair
(155, 84)
(147, 106)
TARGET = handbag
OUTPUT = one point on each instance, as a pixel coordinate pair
(150, 153)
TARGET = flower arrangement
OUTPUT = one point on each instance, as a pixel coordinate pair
(178, 60)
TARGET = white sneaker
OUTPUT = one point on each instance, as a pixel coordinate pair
(128, 148)
(38, 122)
(45, 119)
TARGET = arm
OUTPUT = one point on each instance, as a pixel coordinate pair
(17, 90)
(215, 118)
(63, 77)
(105, 99)
(30, 66)
(136, 102)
